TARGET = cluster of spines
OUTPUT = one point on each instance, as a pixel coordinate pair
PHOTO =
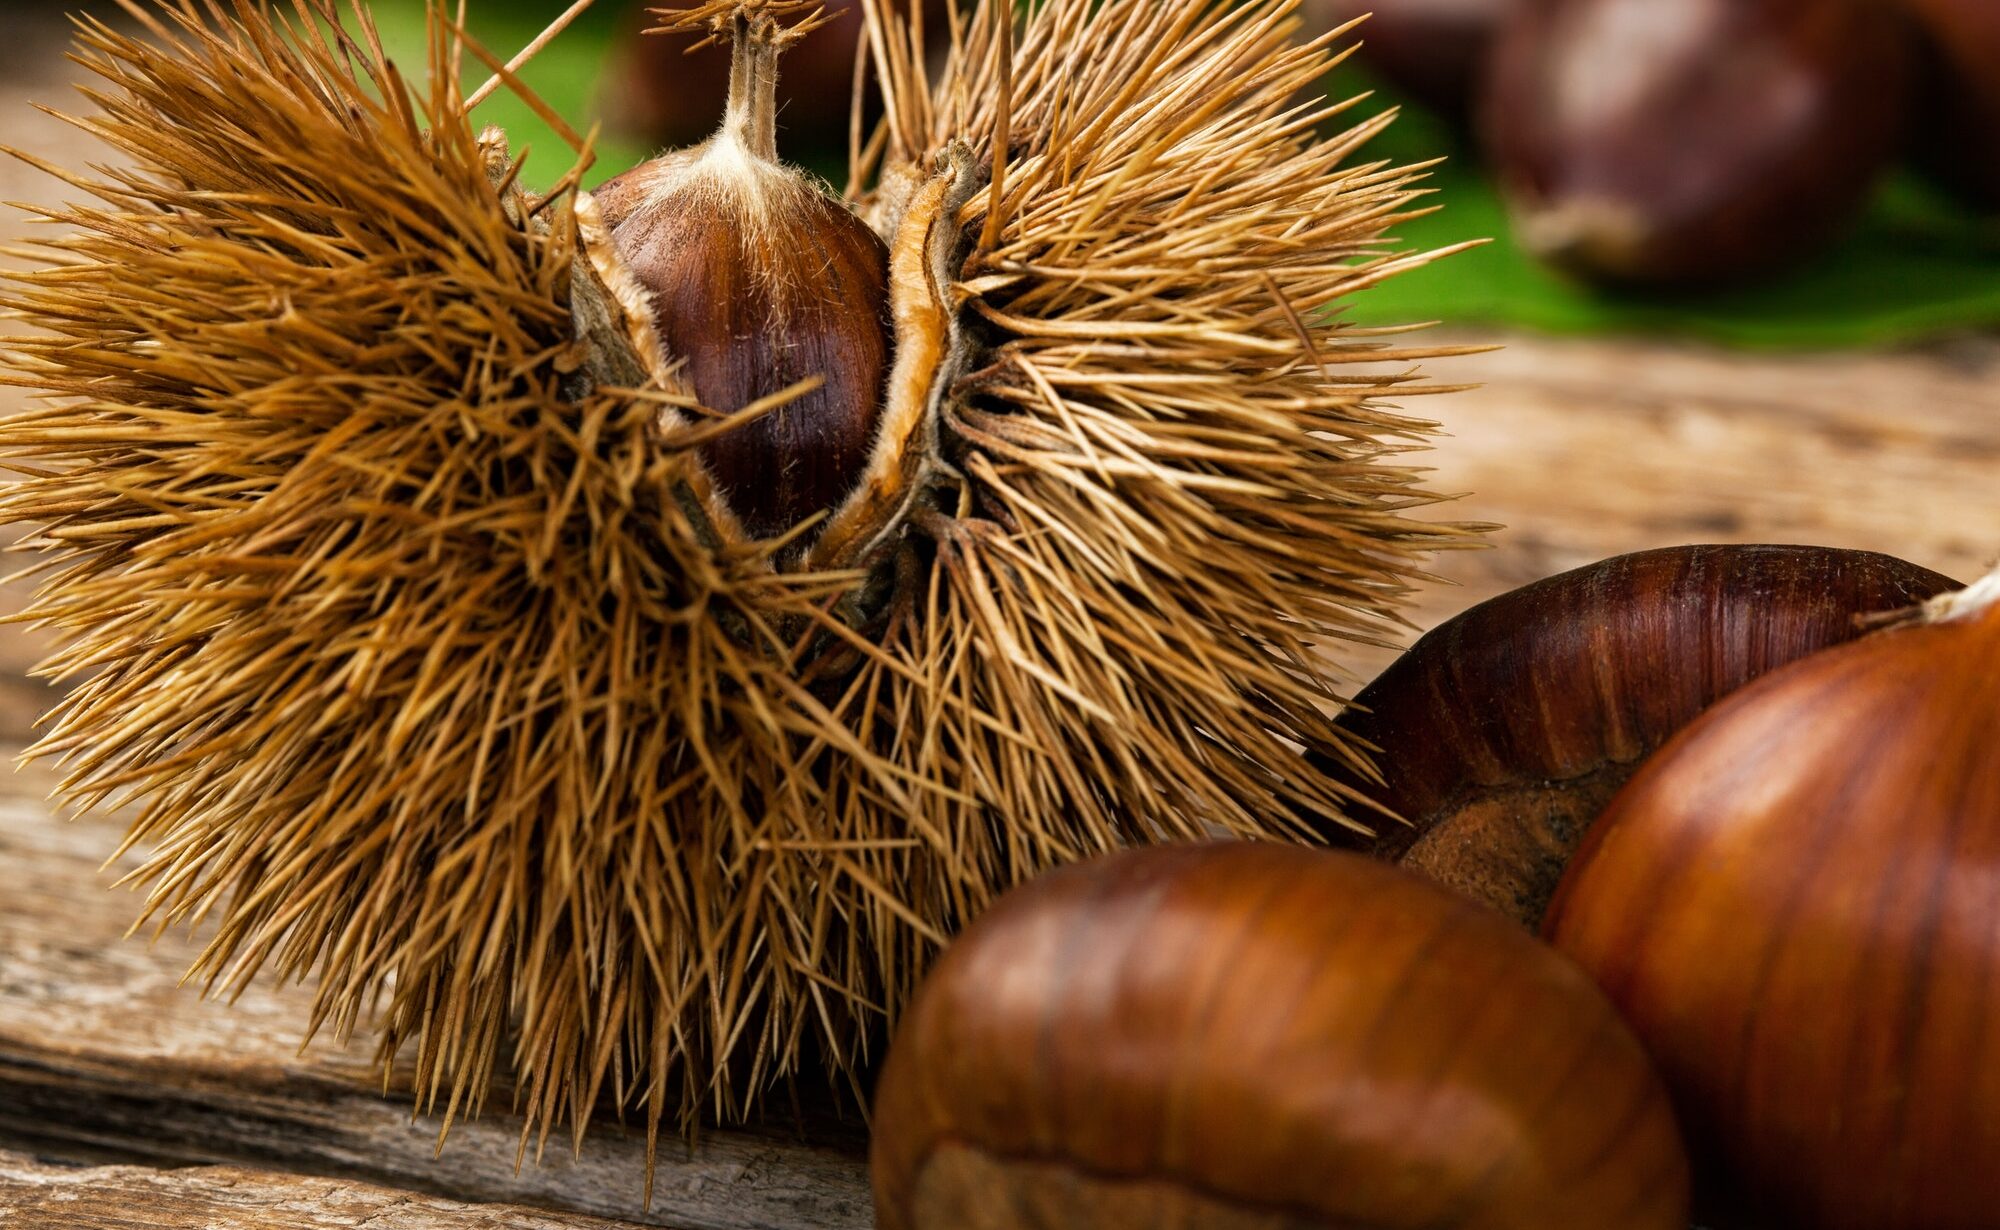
(420, 674)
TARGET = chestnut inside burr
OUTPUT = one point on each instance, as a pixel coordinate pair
(760, 281)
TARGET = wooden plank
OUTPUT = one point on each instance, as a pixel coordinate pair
(1592, 447)
(37, 1194)
(101, 1049)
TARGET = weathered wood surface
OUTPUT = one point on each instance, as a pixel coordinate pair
(34, 1195)
(102, 1052)
(1589, 448)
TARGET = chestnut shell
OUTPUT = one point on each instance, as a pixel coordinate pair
(1692, 142)
(753, 309)
(1505, 731)
(1797, 905)
(1264, 1036)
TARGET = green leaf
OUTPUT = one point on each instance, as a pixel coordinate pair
(1915, 265)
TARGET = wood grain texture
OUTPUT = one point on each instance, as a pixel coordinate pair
(1589, 448)
(100, 1049)
(38, 1196)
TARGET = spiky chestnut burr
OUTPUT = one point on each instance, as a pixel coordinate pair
(408, 609)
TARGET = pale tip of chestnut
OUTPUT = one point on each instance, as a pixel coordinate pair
(1586, 235)
(1968, 603)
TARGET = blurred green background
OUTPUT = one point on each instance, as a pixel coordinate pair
(1917, 265)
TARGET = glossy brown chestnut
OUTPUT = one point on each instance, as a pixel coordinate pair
(1435, 50)
(758, 281)
(1240, 1036)
(1692, 142)
(1958, 128)
(1505, 731)
(1797, 904)
(754, 311)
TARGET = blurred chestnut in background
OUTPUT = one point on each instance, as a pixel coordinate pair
(1433, 50)
(657, 90)
(1236, 1036)
(1797, 904)
(1958, 128)
(1505, 731)
(1692, 142)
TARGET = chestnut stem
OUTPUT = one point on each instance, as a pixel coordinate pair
(752, 117)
